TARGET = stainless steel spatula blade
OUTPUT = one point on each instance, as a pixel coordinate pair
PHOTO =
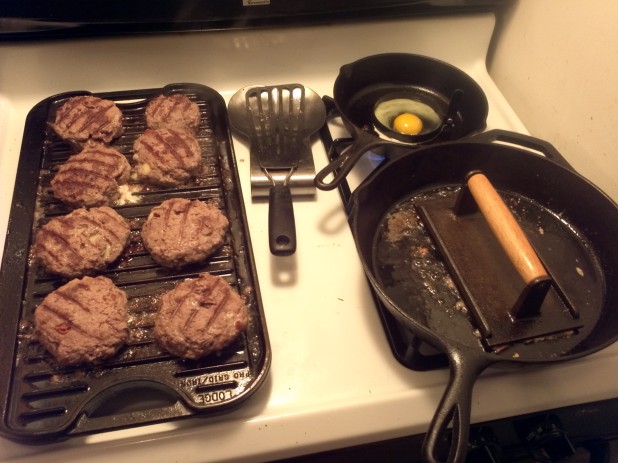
(278, 121)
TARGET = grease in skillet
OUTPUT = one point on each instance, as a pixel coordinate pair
(410, 268)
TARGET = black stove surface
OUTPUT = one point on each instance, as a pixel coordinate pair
(31, 19)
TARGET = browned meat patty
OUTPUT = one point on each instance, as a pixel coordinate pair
(83, 321)
(81, 242)
(173, 112)
(167, 157)
(200, 316)
(91, 177)
(87, 117)
(180, 231)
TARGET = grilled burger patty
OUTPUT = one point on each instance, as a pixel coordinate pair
(83, 321)
(173, 112)
(180, 231)
(87, 117)
(167, 157)
(200, 316)
(81, 242)
(91, 177)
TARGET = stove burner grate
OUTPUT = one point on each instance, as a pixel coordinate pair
(408, 349)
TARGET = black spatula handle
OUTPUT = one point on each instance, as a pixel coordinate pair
(281, 226)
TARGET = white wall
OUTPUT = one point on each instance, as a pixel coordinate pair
(556, 61)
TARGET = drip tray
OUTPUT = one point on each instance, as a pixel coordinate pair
(141, 384)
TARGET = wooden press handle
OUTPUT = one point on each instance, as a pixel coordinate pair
(506, 229)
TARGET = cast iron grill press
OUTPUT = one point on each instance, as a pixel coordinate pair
(142, 384)
(481, 243)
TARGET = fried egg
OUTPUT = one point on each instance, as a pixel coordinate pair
(407, 116)
(408, 124)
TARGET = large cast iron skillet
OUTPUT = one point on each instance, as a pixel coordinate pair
(360, 85)
(575, 204)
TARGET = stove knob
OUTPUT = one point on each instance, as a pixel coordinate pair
(484, 447)
(546, 440)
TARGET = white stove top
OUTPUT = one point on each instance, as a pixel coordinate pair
(333, 381)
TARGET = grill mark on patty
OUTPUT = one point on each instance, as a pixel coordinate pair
(68, 297)
(64, 319)
(72, 185)
(79, 255)
(171, 211)
(177, 308)
(185, 105)
(79, 170)
(63, 314)
(105, 159)
(204, 224)
(83, 321)
(167, 156)
(117, 219)
(74, 222)
(175, 144)
(103, 227)
(86, 117)
(97, 120)
(68, 111)
(158, 109)
(170, 104)
(183, 222)
(200, 316)
(168, 213)
(91, 178)
(216, 312)
(181, 231)
(113, 219)
(58, 237)
(219, 308)
(156, 155)
(81, 242)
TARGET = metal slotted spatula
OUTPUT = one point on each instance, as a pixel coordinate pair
(278, 121)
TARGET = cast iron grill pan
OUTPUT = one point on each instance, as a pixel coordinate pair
(142, 384)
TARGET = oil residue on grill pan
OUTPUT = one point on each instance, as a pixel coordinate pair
(141, 384)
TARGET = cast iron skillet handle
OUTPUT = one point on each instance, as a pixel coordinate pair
(525, 141)
(341, 166)
(281, 225)
(455, 407)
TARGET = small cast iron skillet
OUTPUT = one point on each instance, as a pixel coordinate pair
(580, 214)
(457, 100)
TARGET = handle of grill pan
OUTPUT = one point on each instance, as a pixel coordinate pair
(340, 167)
(281, 224)
(526, 142)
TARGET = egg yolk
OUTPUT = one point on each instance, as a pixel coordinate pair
(408, 124)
